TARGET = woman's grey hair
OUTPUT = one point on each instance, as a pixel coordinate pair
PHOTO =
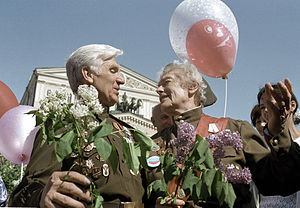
(91, 56)
(189, 75)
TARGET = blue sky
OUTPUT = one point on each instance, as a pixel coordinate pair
(40, 33)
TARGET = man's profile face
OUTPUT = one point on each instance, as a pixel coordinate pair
(172, 95)
(161, 120)
(108, 82)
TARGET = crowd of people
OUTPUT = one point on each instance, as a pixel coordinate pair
(271, 153)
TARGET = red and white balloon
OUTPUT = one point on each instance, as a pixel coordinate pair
(205, 32)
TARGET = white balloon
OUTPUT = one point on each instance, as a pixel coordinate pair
(190, 12)
(17, 134)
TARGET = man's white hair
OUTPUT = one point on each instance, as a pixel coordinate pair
(91, 56)
(189, 75)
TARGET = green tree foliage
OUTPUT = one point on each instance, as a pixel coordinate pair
(10, 173)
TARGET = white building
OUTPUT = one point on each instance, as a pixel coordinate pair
(44, 80)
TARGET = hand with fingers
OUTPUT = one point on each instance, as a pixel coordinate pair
(63, 187)
(278, 105)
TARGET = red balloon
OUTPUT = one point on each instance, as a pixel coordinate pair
(7, 99)
(211, 48)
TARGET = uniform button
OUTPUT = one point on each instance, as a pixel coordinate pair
(275, 142)
(181, 121)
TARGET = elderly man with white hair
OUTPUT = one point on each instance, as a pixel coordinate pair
(45, 183)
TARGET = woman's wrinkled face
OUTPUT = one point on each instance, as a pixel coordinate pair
(172, 95)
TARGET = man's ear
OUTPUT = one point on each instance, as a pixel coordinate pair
(194, 88)
(87, 75)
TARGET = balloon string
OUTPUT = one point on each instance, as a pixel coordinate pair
(225, 103)
(21, 171)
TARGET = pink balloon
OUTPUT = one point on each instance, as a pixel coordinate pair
(211, 48)
(17, 134)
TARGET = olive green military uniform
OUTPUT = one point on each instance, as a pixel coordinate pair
(121, 186)
(274, 173)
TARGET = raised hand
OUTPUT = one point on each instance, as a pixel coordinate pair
(279, 105)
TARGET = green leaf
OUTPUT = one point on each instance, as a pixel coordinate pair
(90, 114)
(114, 159)
(44, 135)
(163, 201)
(202, 148)
(63, 146)
(208, 179)
(99, 200)
(189, 181)
(209, 159)
(143, 140)
(224, 193)
(199, 138)
(38, 120)
(170, 167)
(100, 131)
(230, 197)
(204, 194)
(130, 156)
(144, 156)
(218, 184)
(104, 149)
(197, 191)
(159, 187)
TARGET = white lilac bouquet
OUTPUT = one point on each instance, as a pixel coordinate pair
(73, 127)
(195, 171)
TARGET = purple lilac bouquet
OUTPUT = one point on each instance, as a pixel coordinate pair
(190, 171)
(231, 172)
(184, 142)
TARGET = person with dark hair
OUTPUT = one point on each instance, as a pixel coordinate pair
(159, 119)
(292, 120)
(275, 171)
(263, 114)
(257, 120)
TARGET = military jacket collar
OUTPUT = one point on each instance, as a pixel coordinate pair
(192, 116)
